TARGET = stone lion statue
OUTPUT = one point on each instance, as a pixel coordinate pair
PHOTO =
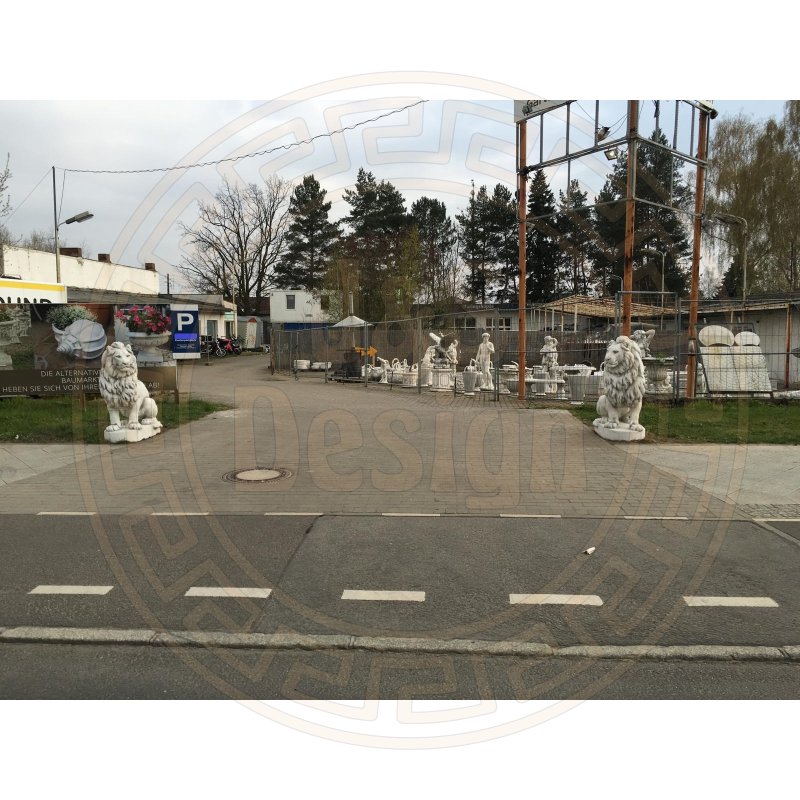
(624, 383)
(122, 390)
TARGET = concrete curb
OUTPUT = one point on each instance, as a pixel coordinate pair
(291, 641)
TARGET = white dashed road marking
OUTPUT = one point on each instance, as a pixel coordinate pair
(71, 590)
(227, 591)
(180, 514)
(757, 602)
(359, 594)
(65, 513)
(556, 599)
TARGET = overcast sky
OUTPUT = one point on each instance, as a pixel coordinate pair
(463, 133)
(159, 84)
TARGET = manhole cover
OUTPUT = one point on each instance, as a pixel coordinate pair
(257, 474)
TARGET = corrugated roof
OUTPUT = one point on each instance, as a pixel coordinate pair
(600, 307)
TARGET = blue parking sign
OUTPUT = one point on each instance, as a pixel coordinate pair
(185, 330)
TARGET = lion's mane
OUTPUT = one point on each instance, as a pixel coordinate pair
(624, 381)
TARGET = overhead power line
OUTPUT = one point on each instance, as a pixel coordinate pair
(246, 155)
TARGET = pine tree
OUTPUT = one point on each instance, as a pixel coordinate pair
(503, 243)
(377, 224)
(574, 223)
(544, 256)
(310, 239)
(660, 183)
(475, 245)
(437, 241)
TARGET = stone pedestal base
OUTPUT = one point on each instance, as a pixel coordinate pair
(131, 434)
(621, 434)
(441, 379)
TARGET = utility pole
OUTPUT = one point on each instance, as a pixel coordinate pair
(630, 215)
(522, 212)
(699, 202)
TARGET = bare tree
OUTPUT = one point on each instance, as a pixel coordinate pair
(5, 202)
(237, 241)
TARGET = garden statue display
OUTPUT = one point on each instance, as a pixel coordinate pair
(624, 384)
(452, 355)
(549, 354)
(643, 339)
(124, 394)
(484, 362)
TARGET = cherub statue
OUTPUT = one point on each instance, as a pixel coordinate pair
(643, 339)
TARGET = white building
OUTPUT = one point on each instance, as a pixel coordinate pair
(296, 308)
(85, 273)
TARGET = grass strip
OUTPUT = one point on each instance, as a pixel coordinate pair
(51, 420)
(730, 421)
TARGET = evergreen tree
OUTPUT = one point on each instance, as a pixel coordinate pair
(659, 182)
(310, 238)
(437, 240)
(544, 256)
(377, 224)
(476, 245)
(503, 236)
(574, 223)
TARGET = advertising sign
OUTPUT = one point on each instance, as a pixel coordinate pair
(185, 331)
(56, 348)
(13, 291)
(525, 109)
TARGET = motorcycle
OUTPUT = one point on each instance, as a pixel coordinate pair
(230, 344)
(212, 347)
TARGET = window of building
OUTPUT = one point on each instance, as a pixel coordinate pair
(504, 323)
(211, 328)
(469, 322)
(290, 302)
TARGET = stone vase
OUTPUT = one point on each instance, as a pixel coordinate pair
(658, 371)
(147, 346)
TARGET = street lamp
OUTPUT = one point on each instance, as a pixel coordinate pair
(82, 217)
(732, 219)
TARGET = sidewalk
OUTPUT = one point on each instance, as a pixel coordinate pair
(352, 450)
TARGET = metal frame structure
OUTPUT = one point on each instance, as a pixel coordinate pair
(700, 113)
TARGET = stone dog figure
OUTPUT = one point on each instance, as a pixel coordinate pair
(624, 382)
(122, 390)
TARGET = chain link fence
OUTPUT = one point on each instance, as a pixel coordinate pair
(367, 352)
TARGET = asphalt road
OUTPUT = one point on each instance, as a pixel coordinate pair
(458, 578)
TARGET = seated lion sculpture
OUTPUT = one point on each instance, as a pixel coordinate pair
(122, 390)
(624, 383)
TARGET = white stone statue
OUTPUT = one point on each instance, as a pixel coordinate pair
(484, 362)
(452, 355)
(385, 367)
(549, 353)
(124, 393)
(624, 383)
(643, 339)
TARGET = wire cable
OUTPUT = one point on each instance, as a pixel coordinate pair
(246, 155)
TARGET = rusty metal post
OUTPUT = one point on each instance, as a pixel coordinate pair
(522, 213)
(630, 215)
(788, 346)
(694, 294)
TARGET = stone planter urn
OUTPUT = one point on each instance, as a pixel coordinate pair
(658, 372)
(147, 347)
